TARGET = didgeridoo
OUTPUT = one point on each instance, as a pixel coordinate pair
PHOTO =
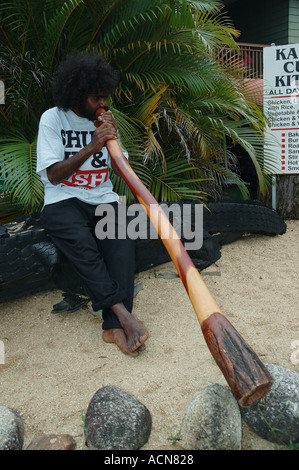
(244, 372)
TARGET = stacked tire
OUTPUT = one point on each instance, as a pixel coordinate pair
(22, 272)
(31, 263)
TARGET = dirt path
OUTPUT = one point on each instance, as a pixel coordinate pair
(55, 363)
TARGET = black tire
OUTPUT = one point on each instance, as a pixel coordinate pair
(240, 217)
(22, 272)
(16, 254)
(151, 253)
(27, 285)
(30, 262)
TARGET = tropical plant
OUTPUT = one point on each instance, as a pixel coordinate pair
(180, 111)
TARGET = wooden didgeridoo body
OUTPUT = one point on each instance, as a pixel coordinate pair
(246, 375)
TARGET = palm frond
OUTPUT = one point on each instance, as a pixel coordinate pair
(21, 182)
(57, 41)
(170, 183)
(176, 102)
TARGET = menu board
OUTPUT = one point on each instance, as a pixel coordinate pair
(281, 106)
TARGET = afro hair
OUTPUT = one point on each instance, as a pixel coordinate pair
(82, 74)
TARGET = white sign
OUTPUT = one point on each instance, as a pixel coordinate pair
(281, 105)
(2, 92)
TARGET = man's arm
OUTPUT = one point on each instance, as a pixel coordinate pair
(62, 170)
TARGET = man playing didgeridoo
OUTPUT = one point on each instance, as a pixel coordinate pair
(73, 162)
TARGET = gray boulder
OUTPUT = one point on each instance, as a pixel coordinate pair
(116, 420)
(213, 420)
(276, 416)
(11, 429)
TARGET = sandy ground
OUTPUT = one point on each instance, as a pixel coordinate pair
(55, 363)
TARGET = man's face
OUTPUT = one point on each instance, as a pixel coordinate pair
(88, 108)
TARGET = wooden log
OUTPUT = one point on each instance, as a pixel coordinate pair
(247, 376)
(287, 196)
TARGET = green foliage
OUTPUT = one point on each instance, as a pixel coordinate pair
(172, 183)
(21, 180)
(178, 109)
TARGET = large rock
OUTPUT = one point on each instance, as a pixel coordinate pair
(53, 442)
(11, 429)
(116, 421)
(276, 416)
(213, 420)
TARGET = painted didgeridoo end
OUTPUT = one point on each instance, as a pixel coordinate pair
(244, 372)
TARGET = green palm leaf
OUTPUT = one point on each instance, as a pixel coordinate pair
(18, 172)
(172, 183)
(175, 103)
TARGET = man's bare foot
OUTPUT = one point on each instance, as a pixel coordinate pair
(117, 336)
(135, 333)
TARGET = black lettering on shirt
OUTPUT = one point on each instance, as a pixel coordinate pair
(73, 136)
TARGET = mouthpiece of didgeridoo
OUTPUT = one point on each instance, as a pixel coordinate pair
(99, 111)
(246, 375)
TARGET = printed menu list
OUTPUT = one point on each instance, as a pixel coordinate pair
(283, 114)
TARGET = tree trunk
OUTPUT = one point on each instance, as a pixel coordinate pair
(287, 196)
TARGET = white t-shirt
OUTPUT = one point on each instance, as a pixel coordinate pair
(62, 134)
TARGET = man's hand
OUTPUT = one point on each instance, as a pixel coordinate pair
(105, 122)
(106, 131)
(106, 128)
(106, 117)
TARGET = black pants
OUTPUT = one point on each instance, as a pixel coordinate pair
(106, 267)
